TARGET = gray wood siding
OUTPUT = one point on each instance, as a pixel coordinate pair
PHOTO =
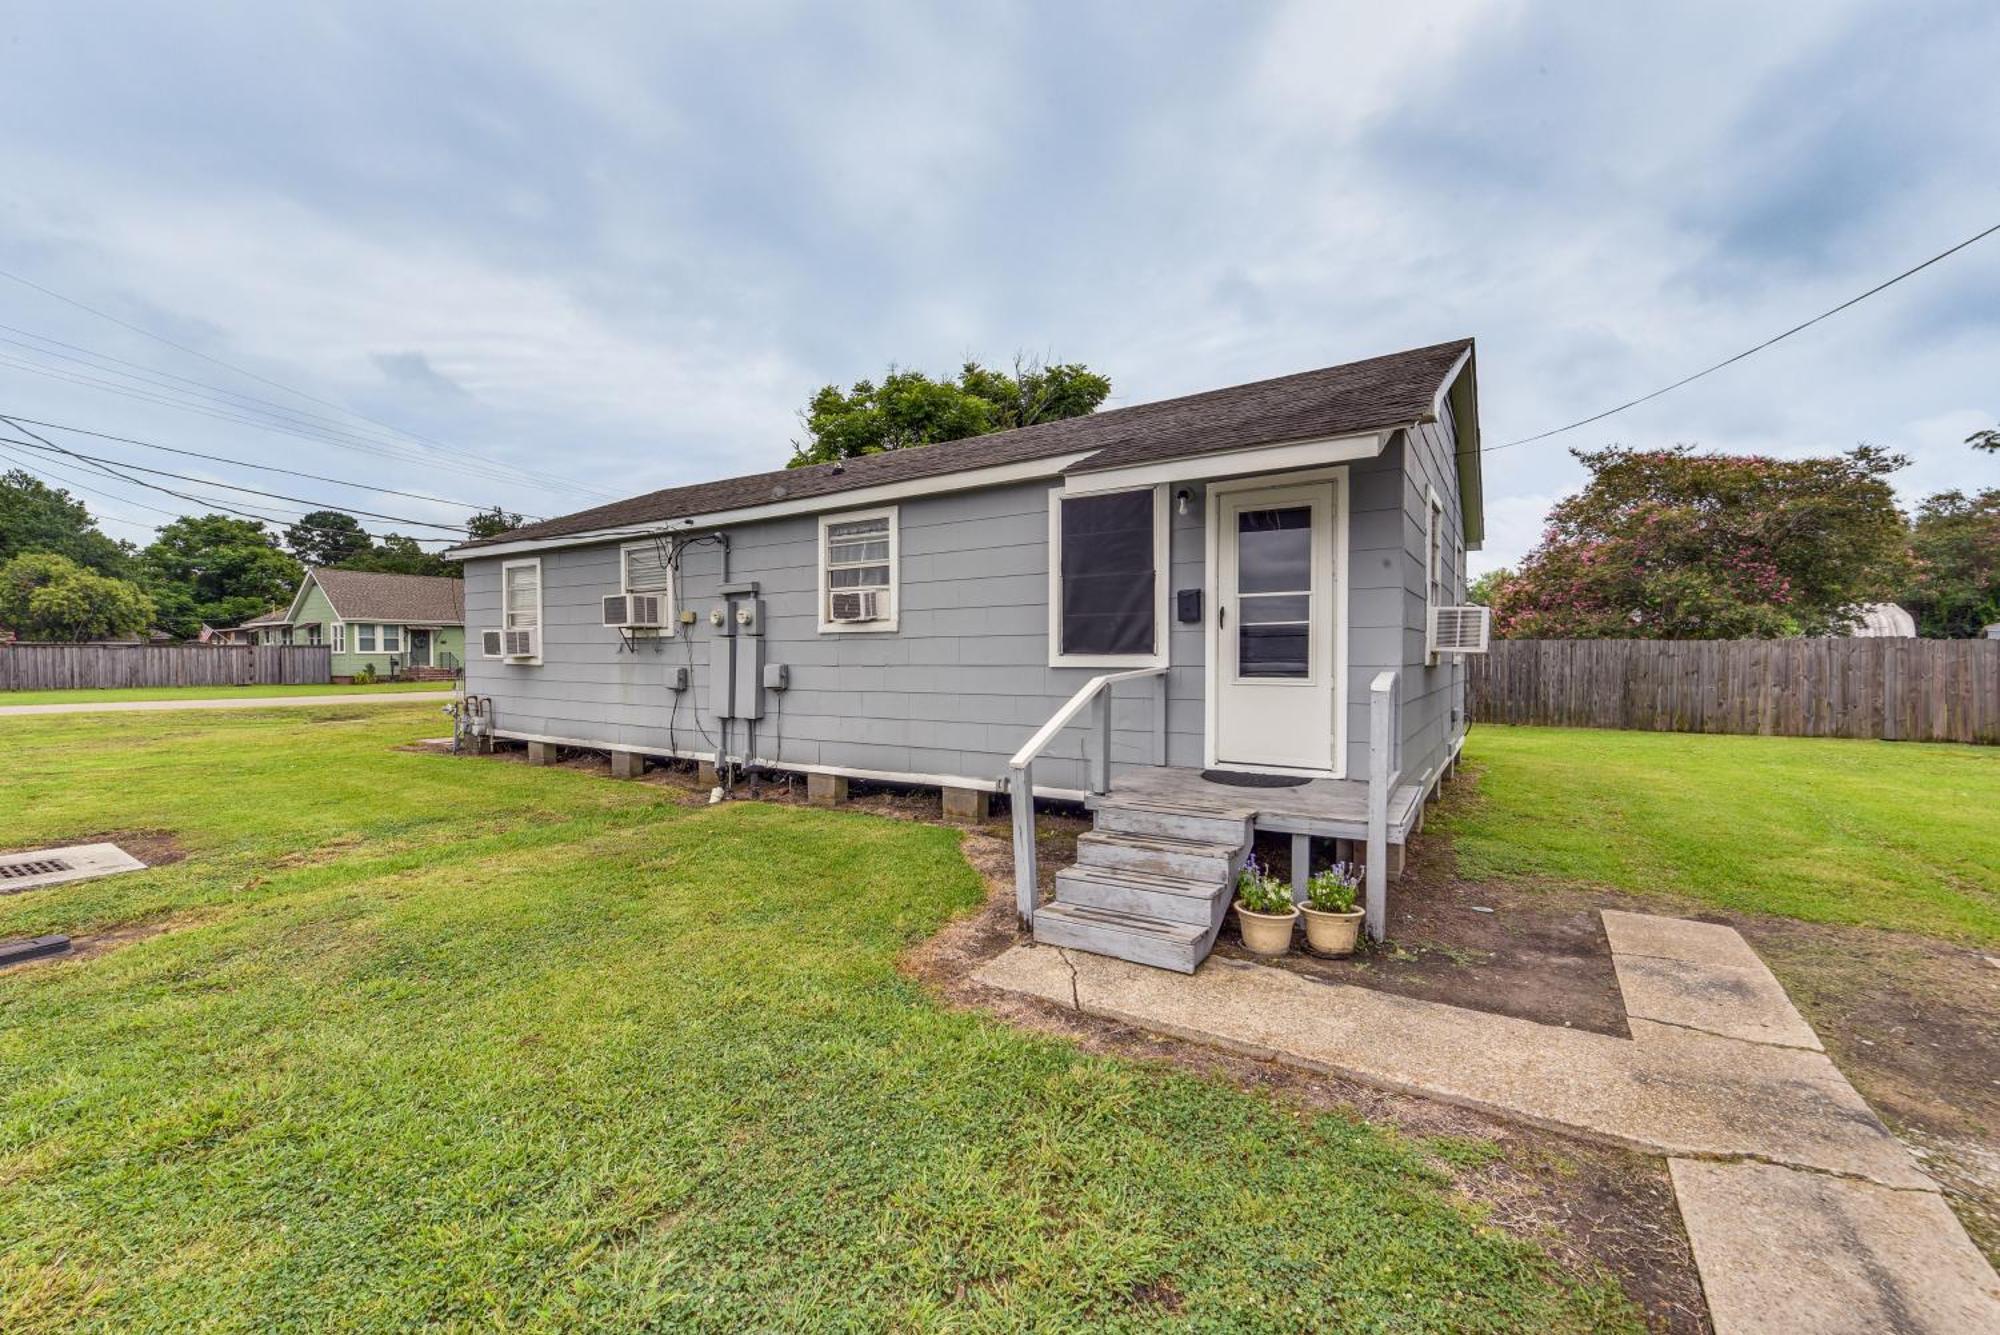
(961, 683)
(1433, 697)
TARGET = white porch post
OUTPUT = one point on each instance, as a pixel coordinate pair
(1382, 776)
(1021, 798)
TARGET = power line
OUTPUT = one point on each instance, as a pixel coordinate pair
(245, 463)
(227, 486)
(1747, 352)
(251, 491)
(229, 412)
(280, 385)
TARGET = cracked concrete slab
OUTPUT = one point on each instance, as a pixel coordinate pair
(1804, 1212)
(1677, 939)
(1783, 1250)
(1676, 1093)
(1723, 999)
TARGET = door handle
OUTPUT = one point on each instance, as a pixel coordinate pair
(1221, 616)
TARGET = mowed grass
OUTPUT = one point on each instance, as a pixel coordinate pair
(1901, 835)
(465, 1043)
(124, 694)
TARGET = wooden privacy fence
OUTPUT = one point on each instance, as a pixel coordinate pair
(61, 667)
(1901, 690)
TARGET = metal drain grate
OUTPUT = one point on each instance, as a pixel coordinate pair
(14, 871)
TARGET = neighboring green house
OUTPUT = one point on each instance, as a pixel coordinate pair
(404, 625)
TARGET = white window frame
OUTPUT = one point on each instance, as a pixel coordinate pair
(367, 637)
(1162, 578)
(340, 637)
(1434, 562)
(506, 567)
(668, 595)
(894, 588)
(387, 647)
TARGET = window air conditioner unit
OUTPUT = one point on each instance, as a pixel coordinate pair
(857, 605)
(1461, 630)
(518, 643)
(634, 611)
(489, 643)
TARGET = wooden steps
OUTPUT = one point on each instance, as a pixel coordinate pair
(1151, 883)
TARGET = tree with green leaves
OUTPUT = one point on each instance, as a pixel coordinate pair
(491, 523)
(1954, 585)
(908, 408)
(327, 538)
(218, 570)
(35, 517)
(44, 596)
(395, 554)
(1482, 590)
(1674, 545)
(1988, 441)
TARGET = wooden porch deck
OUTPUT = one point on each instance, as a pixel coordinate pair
(1329, 808)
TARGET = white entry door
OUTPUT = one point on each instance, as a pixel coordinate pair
(1275, 668)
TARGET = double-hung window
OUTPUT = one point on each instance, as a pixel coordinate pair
(858, 584)
(645, 567)
(340, 637)
(392, 639)
(521, 609)
(1436, 575)
(364, 637)
(1108, 578)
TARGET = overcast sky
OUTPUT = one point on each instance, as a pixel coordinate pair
(620, 247)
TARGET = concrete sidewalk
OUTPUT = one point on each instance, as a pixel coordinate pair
(1804, 1212)
(232, 702)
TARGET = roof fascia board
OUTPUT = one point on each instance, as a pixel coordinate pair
(1445, 385)
(971, 479)
(1231, 463)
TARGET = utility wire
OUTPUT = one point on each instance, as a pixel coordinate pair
(1747, 352)
(231, 486)
(245, 463)
(222, 412)
(280, 385)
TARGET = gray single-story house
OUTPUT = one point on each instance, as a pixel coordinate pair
(1240, 610)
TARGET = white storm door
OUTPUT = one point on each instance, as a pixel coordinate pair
(1274, 670)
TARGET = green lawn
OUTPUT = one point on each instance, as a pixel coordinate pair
(119, 694)
(466, 1043)
(1898, 834)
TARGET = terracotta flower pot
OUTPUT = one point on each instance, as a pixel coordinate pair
(1265, 933)
(1332, 933)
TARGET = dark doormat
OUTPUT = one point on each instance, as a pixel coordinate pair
(1235, 780)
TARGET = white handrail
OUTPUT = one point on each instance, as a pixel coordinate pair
(1062, 717)
(1384, 741)
(1021, 777)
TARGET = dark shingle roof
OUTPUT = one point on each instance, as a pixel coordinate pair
(1393, 390)
(368, 595)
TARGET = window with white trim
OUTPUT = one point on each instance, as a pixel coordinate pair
(340, 637)
(521, 602)
(1436, 592)
(857, 571)
(392, 639)
(1108, 575)
(364, 637)
(646, 567)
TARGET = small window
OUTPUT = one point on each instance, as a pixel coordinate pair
(857, 571)
(1108, 583)
(521, 602)
(647, 567)
(392, 639)
(340, 637)
(364, 637)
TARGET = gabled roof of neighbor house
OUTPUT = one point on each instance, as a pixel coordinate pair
(277, 616)
(1400, 389)
(368, 595)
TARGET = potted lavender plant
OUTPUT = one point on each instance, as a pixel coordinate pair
(1264, 911)
(1333, 922)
